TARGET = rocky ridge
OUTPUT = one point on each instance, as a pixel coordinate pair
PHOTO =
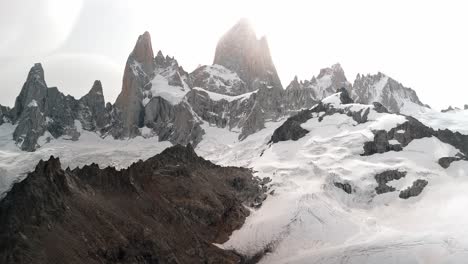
(241, 91)
(168, 209)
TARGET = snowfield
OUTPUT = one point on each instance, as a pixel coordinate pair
(306, 218)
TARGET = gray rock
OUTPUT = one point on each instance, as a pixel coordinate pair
(415, 189)
(39, 109)
(218, 79)
(300, 95)
(466, 107)
(386, 176)
(346, 187)
(4, 114)
(328, 81)
(445, 162)
(379, 108)
(240, 51)
(92, 109)
(344, 96)
(380, 144)
(383, 89)
(138, 72)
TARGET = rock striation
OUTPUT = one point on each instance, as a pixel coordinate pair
(168, 209)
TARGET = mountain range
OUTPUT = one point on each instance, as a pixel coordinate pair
(326, 171)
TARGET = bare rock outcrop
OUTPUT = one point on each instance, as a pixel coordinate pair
(168, 209)
(240, 51)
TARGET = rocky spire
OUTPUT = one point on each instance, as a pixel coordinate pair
(33, 91)
(138, 72)
(240, 51)
(143, 53)
(93, 105)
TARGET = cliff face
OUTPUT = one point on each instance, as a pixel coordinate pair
(138, 72)
(240, 51)
(168, 209)
(42, 111)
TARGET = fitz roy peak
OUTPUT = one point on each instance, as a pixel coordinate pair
(240, 51)
(240, 92)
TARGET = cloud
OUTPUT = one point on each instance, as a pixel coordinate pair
(32, 27)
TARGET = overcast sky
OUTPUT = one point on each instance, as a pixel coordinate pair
(422, 44)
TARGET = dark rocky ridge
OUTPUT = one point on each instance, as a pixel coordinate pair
(168, 209)
(407, 132)
(291, 129)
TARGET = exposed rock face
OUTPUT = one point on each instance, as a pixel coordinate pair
(386, 176)
(466, 107)
(383, 89)
(415, 189)
(218, 79)
(300, 95)
(39, 109)
(4, 114)
(152, 96)
(346, 187)
(445, 162)
(407, 132)
(329, 80)
(291, 129)
(168, 209)
(92, 107)
(138, 72)
(380, 144)
(240, 51)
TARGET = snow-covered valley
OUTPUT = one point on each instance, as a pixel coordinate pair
(306, 217)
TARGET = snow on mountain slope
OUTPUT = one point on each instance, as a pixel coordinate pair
(309, 216)
(307, 219)
(454, 120)
(14, 163)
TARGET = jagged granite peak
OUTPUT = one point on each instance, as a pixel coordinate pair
(94, 114)
(328, 81)
(154, 100)
(46, 112)
(170, 208)
(383, 89)
(242, 52)
(143, 52)
(137, 74)
(32, 93)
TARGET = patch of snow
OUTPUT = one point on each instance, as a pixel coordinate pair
(14, 163)
(33, 103)
(333, 99)
(218, 97)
